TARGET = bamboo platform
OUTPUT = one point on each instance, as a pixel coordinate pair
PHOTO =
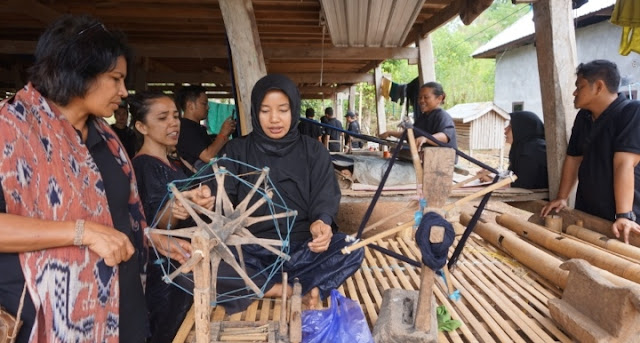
(501, 301)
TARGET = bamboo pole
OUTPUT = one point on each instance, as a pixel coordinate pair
(480, 193)
(604, 242)
(381, 235)
(537, 260)
(295, 320)
(201, 292)
(571, 248)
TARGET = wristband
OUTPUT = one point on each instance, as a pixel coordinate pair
(77, 239)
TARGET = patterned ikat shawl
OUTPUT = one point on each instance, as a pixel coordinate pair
(46, 172)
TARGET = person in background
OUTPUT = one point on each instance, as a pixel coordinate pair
(528, 153)
(122, 129)
(302, 172)
(72, 222)
(155, 117)
(352, 126)
(603, 151)
(330, 134)
(309, 129)
(433, 119)
(194, 143)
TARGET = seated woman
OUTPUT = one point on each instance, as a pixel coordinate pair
(528, 153)
(433, 119)
(155, 117)
(302, 173)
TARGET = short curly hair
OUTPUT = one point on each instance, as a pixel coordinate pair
(71, 53)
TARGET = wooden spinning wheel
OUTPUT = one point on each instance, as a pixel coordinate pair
(210, 242)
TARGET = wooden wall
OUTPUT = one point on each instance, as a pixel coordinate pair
(486, 132)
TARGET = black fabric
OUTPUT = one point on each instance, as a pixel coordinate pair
(128, 139)
(354, 127)
(334, 135)
(528, 154)
(309, 129)
(413, 90)
(192, 141)
(615, 130)
(326, 271)
(434, 255)
(133, 316)
(300, 169)
(167, 304)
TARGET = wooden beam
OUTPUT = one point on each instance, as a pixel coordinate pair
(557, 60)
(382, 119)
(33, 9)
(352, 98)
(208, 77)
(426, 61)
(246, 51)
(202, 50)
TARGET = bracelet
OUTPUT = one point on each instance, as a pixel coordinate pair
(77, 239)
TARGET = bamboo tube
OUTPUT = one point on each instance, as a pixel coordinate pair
(569, 217)
(283, 328)
(571, 248)
(553, 222)
(604, 242)
(537, 260)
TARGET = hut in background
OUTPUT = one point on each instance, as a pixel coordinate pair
(480, 126)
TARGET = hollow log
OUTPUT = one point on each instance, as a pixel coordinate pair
(571, 248)
(604, 241)
(572, 217)
(535, 259)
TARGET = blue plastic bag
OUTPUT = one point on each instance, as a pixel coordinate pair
(343, 322)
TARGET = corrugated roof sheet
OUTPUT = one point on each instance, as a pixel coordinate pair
(524, 27)
(473, 110)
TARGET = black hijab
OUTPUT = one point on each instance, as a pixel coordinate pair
(300, 167)
(527, 157)
(268, 83)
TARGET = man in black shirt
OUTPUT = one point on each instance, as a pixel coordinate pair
(352, 126)
(194, 144)
(604, 151)
(309, 129)
(332, 135)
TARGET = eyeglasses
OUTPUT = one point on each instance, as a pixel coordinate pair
(97, 24)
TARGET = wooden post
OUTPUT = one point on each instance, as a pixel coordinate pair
(246, 51)
(556, 49)
(202, 281)
(352, 98)
(423, 312)
(382, 119)
(426, 61)
(283, 327)
(438, 175)
(295, 320)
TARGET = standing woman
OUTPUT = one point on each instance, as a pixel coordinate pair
(156, 118)
(433, 119)
(302, 173)
(72, 222)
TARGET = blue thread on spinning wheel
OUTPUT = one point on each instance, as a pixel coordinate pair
(275, 204)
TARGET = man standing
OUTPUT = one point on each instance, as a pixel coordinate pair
(352, 126)
(604, 151)
(124, 132)
(332, 135)
(309, 129)
(194, 144)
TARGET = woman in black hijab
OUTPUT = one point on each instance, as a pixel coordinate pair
(302, 173)
(528, 154)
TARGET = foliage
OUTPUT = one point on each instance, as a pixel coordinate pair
(464, 78)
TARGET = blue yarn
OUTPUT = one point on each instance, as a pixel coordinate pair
(434, 255)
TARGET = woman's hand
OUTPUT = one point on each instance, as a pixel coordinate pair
(385, 135)
(200, 196)
(321, 234)
(484, 176)
(109, 243)
(174, 248)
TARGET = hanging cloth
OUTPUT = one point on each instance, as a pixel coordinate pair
(626, 13)
(385, 87)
